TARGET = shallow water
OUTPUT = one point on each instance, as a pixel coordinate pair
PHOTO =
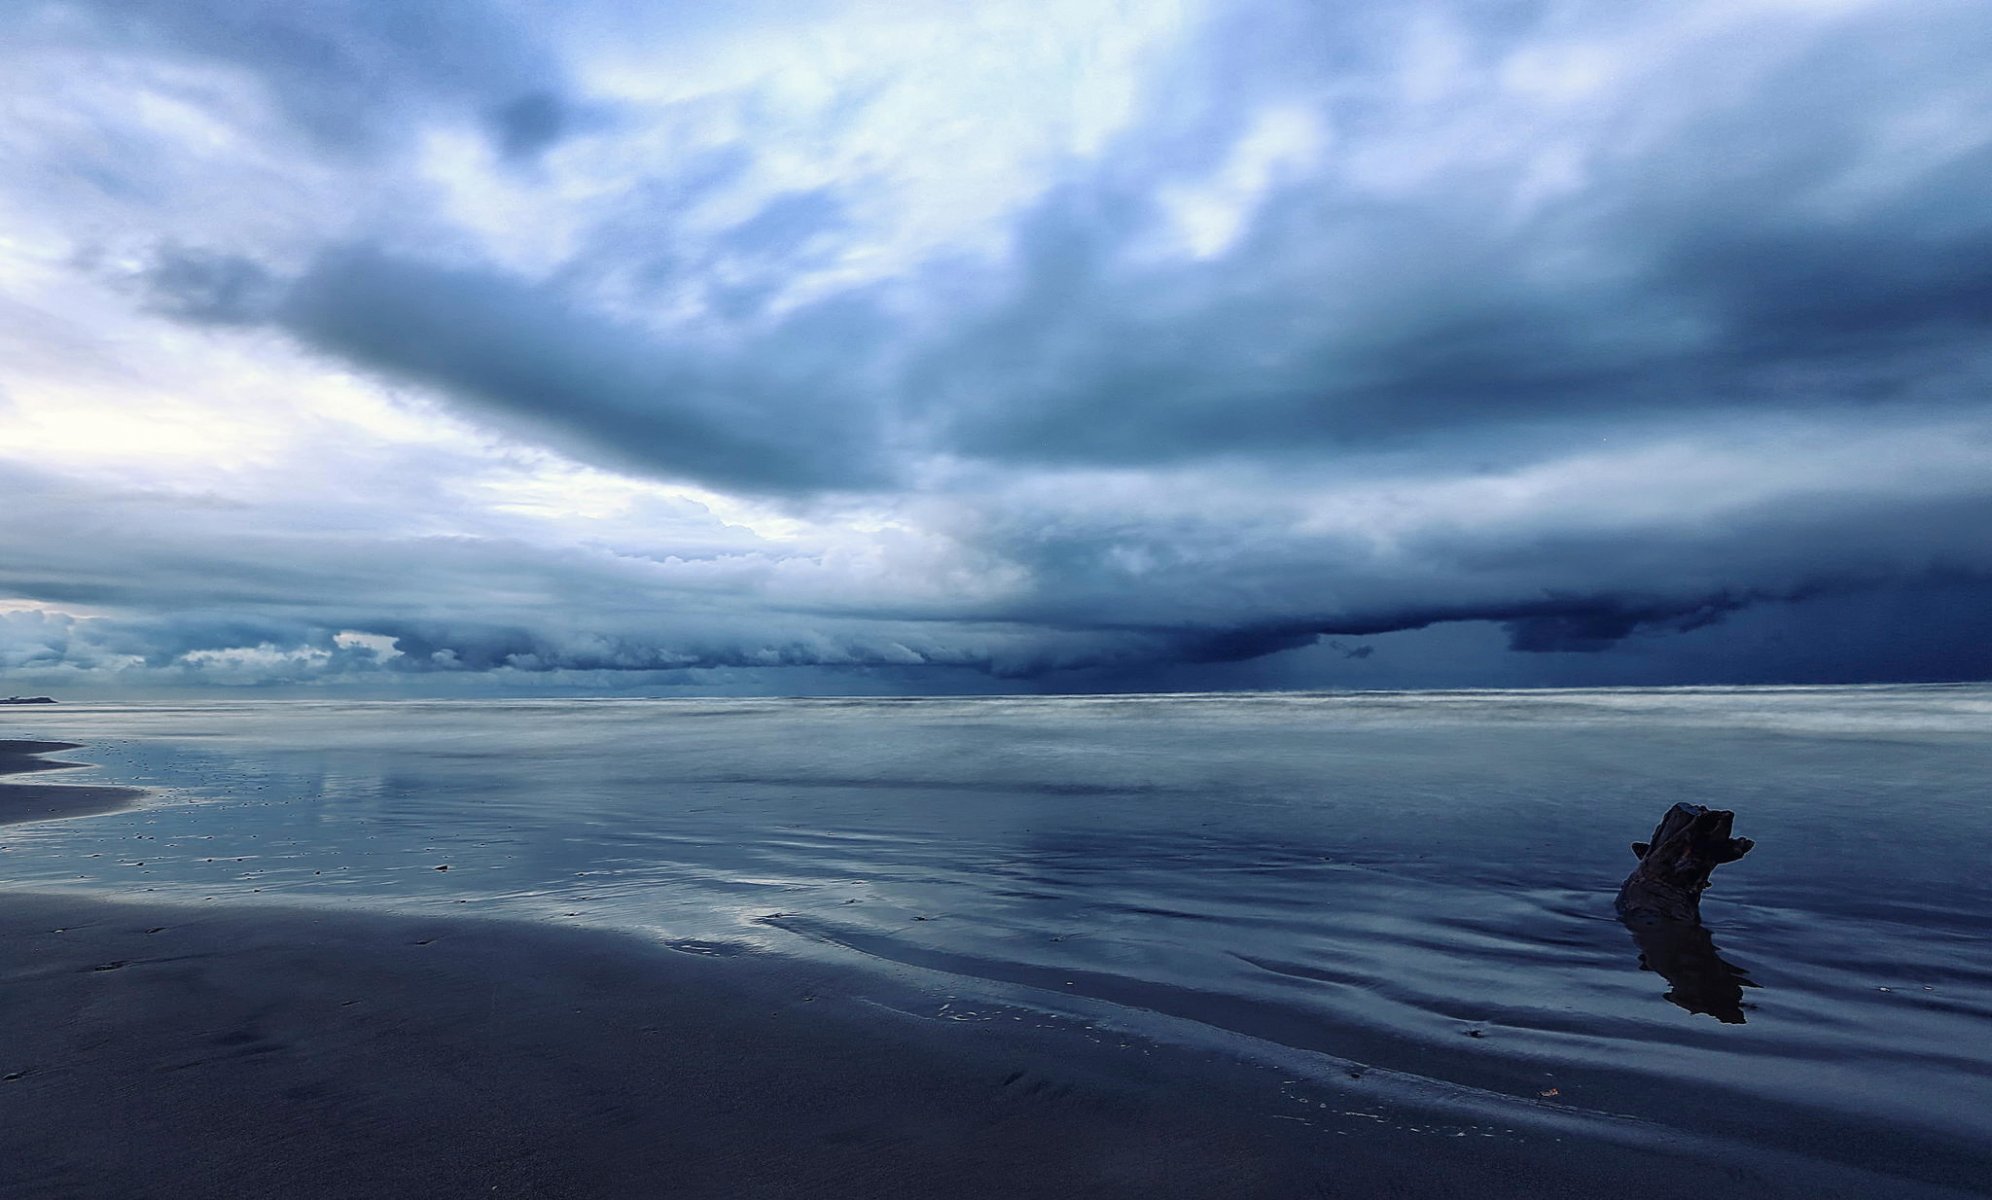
(1394, 887)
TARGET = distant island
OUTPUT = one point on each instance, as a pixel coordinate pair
(28, 700)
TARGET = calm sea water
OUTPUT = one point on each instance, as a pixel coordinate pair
(1409, 889)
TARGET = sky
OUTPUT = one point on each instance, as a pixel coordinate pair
(495, 347)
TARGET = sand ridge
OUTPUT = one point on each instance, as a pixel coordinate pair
(21, 802)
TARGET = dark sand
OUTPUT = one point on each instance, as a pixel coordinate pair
(41, 802)
(162, 1051)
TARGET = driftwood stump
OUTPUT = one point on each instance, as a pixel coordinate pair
(1661, 904)
(1673, 869)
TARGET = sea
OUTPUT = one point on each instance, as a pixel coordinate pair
(1408, 894)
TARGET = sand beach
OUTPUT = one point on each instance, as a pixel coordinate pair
(179, 1026)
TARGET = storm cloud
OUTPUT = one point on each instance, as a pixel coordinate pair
(833, 347)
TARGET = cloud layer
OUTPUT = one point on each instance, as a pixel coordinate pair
(844, 346)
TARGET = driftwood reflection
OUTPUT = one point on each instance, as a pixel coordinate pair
(1683, 953)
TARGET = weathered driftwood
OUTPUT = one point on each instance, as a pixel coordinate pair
(1673, 868)
(1661, 904)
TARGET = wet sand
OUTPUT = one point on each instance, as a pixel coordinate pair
(41, 802)
(155, 1048)
(166, 1051)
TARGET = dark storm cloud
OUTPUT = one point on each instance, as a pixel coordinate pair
(765, 421)
(212, 289)
(1744, 261)
(1227, 588)
(528, 124)
(1740, 261)
(214, 598)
